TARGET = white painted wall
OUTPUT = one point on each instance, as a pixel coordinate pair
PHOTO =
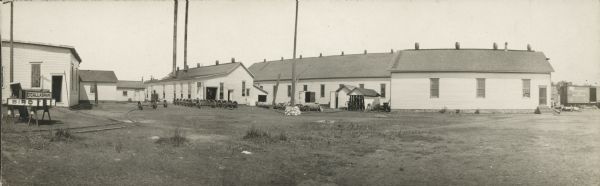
(106, 91)
(54, 62)
(458, 91)
(331, 85)
(133, 94)
(232, 81)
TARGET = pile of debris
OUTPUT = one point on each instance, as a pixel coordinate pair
(292, 111)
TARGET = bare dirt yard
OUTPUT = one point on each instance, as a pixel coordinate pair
(255, 146)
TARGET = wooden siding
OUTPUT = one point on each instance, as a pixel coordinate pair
(458, 91)
(54, 62)
(231, 81)
(106, 91)
(331, 85)
(133, 94)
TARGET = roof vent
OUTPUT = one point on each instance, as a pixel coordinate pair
(416, 46)
(300, 56)
(177, 68)
(392, 51)
(232, 60)
(342, 53)
(365, 51)
(217, 62)
(320, 54)
(529, 48)
(495, 46)
(198, 65)
(457, 45)
(264, 60)
(281, 58)
(505, 46)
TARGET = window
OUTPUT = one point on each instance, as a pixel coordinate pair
(526, 88)
(248, 92)
(322, 90)
(124, 93)
(434, 87)
(221, 87)
(305, 88)
(36, 75)
(382, 91)
(93, 88)
(189, 90)
(243, 88)
(480, 87)
(262, 98)
(361, 85)
(289, 90)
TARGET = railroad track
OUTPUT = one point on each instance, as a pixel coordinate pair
(113, 125)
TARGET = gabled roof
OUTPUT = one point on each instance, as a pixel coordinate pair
(260, 89)
(471, 60)
(347, 87)
(130, 84)
(70, 48)
(204, 72)
(365, 92)
(347, 66)
(100, 76)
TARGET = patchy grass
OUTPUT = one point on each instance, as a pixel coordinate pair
(176, 140)
(251, 146)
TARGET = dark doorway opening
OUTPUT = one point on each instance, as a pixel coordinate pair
(543, 97)
(593, 95)
(309, 97)
(211, 93)
(229, 93)
(57, 88)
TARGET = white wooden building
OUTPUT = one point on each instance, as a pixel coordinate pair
(105, 82)
(130, 91)
(322, 76)
(470, 79)
(42, 66)
(226, 81)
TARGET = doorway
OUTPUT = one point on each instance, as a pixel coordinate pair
(57, 88)
(543, 96)
(229, 95)
(211, 93)
(593, 95)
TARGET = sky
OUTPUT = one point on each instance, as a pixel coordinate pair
(135, 38)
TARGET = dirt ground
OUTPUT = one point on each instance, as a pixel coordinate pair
(256, 146)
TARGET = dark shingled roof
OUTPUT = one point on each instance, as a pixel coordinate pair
(203, 72)
(70, 48)
(346, 66)
(130, 84)
(471, 60)
(100, 76)
(365, 92)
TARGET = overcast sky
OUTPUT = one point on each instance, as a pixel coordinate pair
(134, 38)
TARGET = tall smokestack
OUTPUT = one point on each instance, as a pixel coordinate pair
(175, 38)
(185, 66)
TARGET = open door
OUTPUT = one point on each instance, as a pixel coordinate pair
(57, 88)
(211, 93)
(543, 95)
(593, 95)
(229, 95)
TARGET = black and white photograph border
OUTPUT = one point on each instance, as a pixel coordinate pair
(300, 92)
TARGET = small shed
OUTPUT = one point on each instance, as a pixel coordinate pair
(339, 98)
(100, 83)
(130, 91)
(261, 98)
(362, 98)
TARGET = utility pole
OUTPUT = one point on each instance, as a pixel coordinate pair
(175, 40)
(185, 65)
(293, 101)
(12, 53)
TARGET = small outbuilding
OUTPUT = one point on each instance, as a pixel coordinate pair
(130, 91)
(98, 85)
